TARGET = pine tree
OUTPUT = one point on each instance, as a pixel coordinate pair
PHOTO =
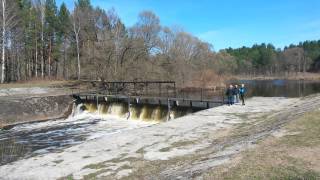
(64, 31)
(51, 27)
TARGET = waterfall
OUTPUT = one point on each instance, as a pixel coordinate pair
(142, 112)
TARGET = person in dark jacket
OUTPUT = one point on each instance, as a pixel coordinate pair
(242, 92)
(229, 94)
(235, 94)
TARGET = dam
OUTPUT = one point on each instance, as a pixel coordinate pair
(143, 106)
(102, 126)
(92, 115)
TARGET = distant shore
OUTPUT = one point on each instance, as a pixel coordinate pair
(294, 76)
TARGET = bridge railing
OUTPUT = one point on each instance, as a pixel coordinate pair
(160, 89)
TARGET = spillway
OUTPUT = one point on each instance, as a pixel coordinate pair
(135, 112)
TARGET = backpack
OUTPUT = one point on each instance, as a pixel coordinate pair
(241, 90)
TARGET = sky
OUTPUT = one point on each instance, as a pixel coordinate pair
(228, 23)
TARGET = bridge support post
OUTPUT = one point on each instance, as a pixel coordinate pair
(128, 100)
(201, 94)
(169, 110)
(174, 88)
(222, 98)
(97, 103)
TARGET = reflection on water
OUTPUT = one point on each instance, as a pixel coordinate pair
(280, 88)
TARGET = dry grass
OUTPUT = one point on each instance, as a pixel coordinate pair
(207, 79)
(292, 156)
(36, 83)
(293, 76)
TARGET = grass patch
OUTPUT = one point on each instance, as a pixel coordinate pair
(278, 158)
(69, 177)
(36, 83)
(182, 143)
(95, 166)
(309, 128)
(94, 175)
(141, 151)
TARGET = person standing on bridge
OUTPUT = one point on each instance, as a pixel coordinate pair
(242, 92)
(229, 94)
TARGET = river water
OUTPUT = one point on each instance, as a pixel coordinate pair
(33, 139)
(280, 88)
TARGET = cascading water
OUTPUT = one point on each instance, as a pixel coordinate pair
(88, 120)
(142, 112)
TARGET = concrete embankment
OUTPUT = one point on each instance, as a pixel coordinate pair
(27, 107)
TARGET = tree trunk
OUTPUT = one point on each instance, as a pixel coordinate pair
(49, 59)
(18, 66)
(57, 64)
(42, 42)
(64, 59)
(78, 56)
(304, 64)
(36, 63)
(3, 68)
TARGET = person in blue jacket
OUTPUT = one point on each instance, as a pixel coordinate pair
(242, 92)
(229, 94)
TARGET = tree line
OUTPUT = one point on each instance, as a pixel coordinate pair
(42, 41)
(265, 59)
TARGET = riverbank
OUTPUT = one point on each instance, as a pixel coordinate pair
(293, 76)
(187, 147)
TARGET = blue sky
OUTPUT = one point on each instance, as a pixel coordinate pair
(229, 23)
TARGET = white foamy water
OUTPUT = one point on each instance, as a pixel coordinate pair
(50, 136)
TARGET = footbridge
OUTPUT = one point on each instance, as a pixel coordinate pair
(154, 93)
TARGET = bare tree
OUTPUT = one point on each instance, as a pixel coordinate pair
(3, 3)
(8, 22)
(76, 30)
(148, 28)
(40, 4)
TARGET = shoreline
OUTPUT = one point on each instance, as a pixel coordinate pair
(300, 76)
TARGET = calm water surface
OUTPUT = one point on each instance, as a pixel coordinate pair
(280, 88)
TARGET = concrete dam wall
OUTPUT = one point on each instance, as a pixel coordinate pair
(29, 109)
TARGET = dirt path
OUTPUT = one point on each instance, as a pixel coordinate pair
(183, 148)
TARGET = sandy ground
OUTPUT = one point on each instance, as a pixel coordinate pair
(114, 155)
